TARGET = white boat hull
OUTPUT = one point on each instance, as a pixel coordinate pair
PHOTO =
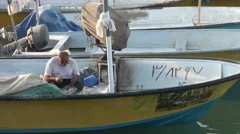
(173, 17)
(71, 4)
(216, 43)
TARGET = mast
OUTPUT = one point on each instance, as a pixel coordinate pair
(109, 50)
(37, 12)
(18, 50)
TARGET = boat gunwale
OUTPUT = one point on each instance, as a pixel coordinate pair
(127, 54)
(192, 27)
(131, 93)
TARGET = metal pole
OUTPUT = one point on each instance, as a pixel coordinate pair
(109, 50)
(37, 12)
(199, 11)
(14, 28)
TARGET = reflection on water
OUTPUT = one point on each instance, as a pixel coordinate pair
(223, 118)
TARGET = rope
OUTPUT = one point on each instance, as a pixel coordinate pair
(10, 36)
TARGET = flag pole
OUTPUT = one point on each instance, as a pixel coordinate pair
(109, 50)
(199, 11)
(18, 50)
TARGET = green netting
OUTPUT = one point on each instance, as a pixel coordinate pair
(41, 90)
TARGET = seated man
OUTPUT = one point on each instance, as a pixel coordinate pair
(63, 71)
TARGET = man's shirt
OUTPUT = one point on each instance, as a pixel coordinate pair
(54, 69)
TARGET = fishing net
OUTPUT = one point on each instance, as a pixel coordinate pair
(31, 85)
(27, 85)
(41, 90)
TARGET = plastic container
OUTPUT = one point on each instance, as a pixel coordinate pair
(91, 81)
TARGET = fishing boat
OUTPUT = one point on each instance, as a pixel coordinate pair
(215, 43)
(182, 17)
(174, 17)
(160, 18)
(174, 90)
(219, 43)
(76, 4)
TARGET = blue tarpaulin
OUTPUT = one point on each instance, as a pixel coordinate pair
(51, 17)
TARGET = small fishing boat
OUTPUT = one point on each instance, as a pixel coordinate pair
(76, 4)
(172, 17)
(159, 18)
(216, 43)
(219, 43)
(149, 91)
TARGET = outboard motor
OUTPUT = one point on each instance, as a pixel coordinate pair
(37, 37)
(90, 14)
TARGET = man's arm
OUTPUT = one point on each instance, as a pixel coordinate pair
(75, 78)
(53, 79)
(76, 73)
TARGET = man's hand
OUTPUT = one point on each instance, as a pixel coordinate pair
(53, 79)
(74, 79)
(58, 79)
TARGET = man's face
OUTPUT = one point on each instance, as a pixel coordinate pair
(63, 60)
